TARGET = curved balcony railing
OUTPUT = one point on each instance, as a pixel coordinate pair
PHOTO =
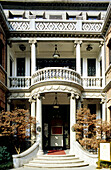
(56, 74)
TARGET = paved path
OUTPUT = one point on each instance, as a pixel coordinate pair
(81, 168)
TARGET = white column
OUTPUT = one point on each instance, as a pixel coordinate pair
(33, 136)
(104, 111)
(78, 56)
(33, 56)
(39, 124)
(72, 122)
(103, 62)
(33, 109)
(98, 115)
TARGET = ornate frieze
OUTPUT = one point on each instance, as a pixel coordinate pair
(54, 88)
(19, 96)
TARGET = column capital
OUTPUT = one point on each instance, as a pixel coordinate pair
(102, 101)
(32, 41)
(77, 42)
(101, 43)
(75, 96)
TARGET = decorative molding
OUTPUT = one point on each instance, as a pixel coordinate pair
(19, 96)
(92, 95)
(54, 88)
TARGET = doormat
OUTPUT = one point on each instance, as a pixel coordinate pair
(56, 152)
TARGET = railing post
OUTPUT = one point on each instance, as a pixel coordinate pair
(32, 25)
(79, 25)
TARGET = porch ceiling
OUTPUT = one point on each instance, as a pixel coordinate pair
(63, 48)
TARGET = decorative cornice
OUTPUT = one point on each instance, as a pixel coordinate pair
(55, 5)
(54, 35)
(55, 88)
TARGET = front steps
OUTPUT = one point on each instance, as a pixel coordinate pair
(56, 161)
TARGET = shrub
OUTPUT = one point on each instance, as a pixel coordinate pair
(5, 158)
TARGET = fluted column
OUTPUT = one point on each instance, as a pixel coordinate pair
(39, 123)
(33, 56)
(72, 122)
(77, 45)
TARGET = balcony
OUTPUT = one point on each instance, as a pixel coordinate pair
(52, 75)
(53, 25)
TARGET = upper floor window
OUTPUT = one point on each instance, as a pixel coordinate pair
(20, 66)
(18, 16)
(1, 53)
(55, 16)
(70, 17)
(93, 17)
(109, 46)
(91, 67)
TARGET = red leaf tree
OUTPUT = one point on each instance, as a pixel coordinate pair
(91, 131)
(17, 126)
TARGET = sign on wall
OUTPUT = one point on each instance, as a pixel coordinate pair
(105, 152)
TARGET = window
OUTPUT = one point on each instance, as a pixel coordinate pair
(11, 66)
(55, 17)
(81, 66)
(109, 46)
(91, 67)
(1, 53)
(70, 17)
(70, 63)
(91, 17)
(20, 66)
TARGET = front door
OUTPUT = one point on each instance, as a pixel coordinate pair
(56, 127)
(56, 136)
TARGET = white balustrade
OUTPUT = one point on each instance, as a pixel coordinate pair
(92, 82)
(56, 74)
(20, 82)
(50, 25)
(94, 26)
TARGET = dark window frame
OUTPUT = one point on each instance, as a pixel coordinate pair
(20, 69)
(91, 67)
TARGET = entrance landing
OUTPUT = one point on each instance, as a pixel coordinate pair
(56, 152)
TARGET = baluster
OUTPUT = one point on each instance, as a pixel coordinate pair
(13, 82)
(50, 73)
(23, 84)
(63, 74)
(46, 74)
(26, 82)
(43, 75)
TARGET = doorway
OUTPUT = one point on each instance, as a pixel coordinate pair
(56, 127)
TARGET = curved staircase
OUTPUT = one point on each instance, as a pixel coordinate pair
(56, 161)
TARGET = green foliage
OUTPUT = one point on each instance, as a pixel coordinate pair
(5, 158)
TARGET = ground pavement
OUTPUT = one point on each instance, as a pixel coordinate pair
(82, 168)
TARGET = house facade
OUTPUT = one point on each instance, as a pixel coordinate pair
(3, 70)
(56, 65)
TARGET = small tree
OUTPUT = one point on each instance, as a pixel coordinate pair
(16, 125)
(89, 130)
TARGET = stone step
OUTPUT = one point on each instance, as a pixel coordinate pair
(56, 161)
(55, 158)
(72, 165)
(66, 155)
